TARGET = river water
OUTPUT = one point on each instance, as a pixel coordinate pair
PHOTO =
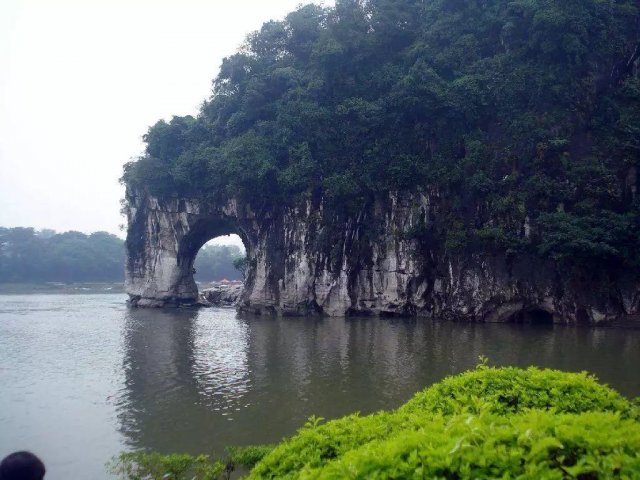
(82, 377)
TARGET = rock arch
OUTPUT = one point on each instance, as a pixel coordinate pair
(163, 239)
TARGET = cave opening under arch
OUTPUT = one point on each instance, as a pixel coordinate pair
(203, 239)
(531, 316)
(220, 260)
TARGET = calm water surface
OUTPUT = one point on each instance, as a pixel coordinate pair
(83, 378)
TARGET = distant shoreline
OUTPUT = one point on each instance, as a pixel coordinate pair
(61, 287)
(75, 288)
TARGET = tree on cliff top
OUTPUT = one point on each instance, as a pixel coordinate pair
(518, 112)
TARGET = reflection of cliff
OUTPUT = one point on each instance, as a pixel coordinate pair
(184, 376)
(220, 368)
(330, 367)
(201, 381)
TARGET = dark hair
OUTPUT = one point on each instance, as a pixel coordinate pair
(21, 466)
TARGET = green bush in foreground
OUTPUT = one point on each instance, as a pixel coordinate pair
(534, 445)
(248, 456)
(154, 466)
(510, 390)
(487, 423)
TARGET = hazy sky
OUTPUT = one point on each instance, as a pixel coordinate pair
(82, 80)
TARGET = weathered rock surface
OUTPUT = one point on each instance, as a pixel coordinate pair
(221, 295)
(305, 261)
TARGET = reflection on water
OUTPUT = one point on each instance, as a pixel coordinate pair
(220, 363)
(82, 377)
(205, 380)
(185, 378)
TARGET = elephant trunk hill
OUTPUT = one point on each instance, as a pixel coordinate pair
(443, 159)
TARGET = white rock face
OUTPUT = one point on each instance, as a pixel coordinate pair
(221, 295)
(305, 261)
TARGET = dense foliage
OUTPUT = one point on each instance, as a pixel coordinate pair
(488, 423)
(154, 466)
(248, 456)
(511, 390)
(27, 255)
(520, 115)
(535, 445)
(485, 423)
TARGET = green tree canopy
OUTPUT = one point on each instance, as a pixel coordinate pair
(516, 111)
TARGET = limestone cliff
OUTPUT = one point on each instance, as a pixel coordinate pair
(367, 264)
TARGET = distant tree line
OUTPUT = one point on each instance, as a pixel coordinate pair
(28, 255)
(217, 262)
(521, 117)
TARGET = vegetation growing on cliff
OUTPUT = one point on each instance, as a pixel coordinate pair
(486, 423)
(523, 116)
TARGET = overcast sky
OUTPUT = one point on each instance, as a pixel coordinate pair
(82, 80)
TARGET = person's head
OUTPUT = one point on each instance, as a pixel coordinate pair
(21, 466)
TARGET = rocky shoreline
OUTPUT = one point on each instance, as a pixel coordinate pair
(221, 295)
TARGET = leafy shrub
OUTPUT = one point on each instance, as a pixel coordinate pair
(511, 390)
(154, 466)
(486, 423)
(248, 456)
(534, 445)
(516, 111)
(314, 445)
